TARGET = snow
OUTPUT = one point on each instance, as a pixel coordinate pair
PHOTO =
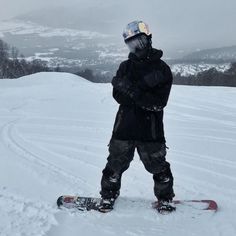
(54, 131)
(19, 27)
(193, 69)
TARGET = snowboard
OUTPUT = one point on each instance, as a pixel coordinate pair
(91, 203)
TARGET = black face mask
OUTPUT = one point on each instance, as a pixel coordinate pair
(139, 45)
(143, 54)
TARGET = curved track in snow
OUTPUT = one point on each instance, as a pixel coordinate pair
(53, 141)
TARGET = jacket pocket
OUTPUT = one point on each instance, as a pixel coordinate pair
(153, 126)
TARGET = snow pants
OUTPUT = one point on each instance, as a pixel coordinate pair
(152, 154)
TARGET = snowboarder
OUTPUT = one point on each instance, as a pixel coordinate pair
(141, 86)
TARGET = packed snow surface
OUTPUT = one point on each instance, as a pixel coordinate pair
(55, 128)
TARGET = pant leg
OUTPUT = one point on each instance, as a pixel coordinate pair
(153, 156)
(121, 153)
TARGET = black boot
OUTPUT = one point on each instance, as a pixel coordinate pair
(165, 206)
(106, 205)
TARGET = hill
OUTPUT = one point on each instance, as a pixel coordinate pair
(223, 54)
(54, 131)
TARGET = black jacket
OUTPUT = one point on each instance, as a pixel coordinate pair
(142, 89)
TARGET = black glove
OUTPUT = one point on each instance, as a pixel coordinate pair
(125, 86)
(121, 83)
(152, 79)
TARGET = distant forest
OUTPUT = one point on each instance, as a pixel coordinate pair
(210, 77)
(14, 65)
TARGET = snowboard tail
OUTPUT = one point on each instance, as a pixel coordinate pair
(80, 203)
(84, 203)
(197, 204)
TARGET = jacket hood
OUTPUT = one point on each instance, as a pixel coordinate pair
(154, 55)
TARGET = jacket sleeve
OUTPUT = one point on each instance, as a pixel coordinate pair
(119, 96)
(157, 98)
(122, 98)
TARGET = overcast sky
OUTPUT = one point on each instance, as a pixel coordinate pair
(203, 22)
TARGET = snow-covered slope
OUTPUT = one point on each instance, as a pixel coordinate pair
(220, 54)
(54, 131)
(19, 27)
(62, 46)
(185, 69)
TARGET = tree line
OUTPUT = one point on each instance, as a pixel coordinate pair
(14, 65)
(210, 77)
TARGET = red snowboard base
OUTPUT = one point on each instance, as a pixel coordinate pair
(199, 204)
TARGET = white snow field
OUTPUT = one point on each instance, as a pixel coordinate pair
(54, 131)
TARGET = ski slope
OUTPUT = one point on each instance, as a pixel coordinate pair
(54, 131)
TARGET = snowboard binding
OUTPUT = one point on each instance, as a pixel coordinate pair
(165, 207)
(106, 205)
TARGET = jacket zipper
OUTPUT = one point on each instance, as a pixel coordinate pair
(153, 126)
(118, 121)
